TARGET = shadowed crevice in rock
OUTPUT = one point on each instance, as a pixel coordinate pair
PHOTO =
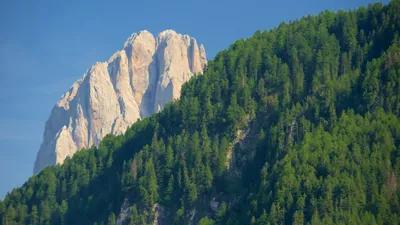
(147, 106)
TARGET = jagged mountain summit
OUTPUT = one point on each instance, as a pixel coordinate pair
(133, 84)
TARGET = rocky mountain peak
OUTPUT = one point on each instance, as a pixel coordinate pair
(135, 82)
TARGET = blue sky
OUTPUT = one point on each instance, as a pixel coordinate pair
(46, 45)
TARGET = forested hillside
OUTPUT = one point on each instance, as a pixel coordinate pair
(295, 125)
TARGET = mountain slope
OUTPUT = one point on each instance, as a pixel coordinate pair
(135, 82)
(296, 125)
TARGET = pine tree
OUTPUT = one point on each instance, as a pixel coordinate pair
(111, 219)
(34, 217)
(170, 189)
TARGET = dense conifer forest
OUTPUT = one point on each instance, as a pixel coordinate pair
(294, 125)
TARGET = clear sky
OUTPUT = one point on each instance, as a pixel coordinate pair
(46, 45)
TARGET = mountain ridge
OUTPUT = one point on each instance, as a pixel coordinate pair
(294, 125)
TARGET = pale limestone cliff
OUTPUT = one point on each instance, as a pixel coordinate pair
(135, 82)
